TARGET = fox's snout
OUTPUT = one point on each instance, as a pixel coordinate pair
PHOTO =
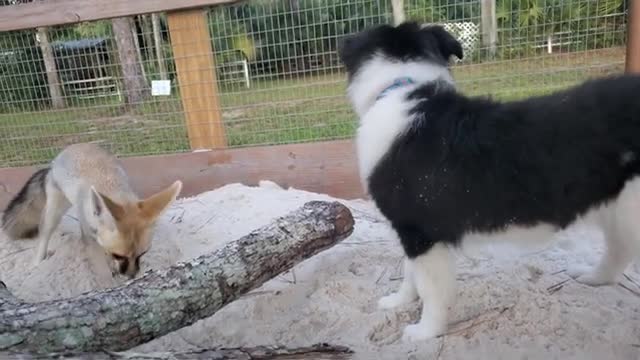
(125, 229)
(125, 266)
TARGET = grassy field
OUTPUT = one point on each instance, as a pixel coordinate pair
(276, 111)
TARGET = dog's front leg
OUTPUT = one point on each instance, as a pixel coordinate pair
(434, 277)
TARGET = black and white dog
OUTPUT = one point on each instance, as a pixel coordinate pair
(446, 169)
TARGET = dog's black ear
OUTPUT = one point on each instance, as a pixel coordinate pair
(352, 47)
(344, 46)
(407, 26)
(447, 44)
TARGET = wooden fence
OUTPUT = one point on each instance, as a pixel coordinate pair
(326, 167)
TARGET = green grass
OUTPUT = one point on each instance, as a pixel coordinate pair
(274, 111)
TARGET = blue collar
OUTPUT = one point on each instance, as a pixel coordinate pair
(397, 83)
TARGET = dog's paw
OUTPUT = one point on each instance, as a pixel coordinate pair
(39, 258)
(392, 301)
(37, 261)
(419, 332)
(594, 280)
(576, 271)
(588, 276)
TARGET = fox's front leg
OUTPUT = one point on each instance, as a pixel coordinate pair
(55, 207)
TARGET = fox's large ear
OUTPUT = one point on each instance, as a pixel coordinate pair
(102, 205)
(154, 206)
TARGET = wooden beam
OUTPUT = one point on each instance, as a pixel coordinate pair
(195, 65)
(328, 167)
(632, 63)
(62, 12)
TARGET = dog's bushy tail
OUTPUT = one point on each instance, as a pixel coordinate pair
(21, 218)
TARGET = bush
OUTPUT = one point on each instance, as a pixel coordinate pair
(23, 82)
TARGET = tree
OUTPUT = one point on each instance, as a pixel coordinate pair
(516, 18)
(136, 44)
(489, 26)
(53, 78)
(284, 31)
(146, 29)
(157, 39)
(22, 68)
(135, 85)
(398, 11)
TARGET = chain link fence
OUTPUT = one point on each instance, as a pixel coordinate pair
(278, 76)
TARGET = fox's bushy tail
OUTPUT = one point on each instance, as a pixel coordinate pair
(21, 218)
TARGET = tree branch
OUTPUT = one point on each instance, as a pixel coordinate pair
(315, 352)
(165, 300)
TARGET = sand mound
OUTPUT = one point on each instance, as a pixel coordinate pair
(504, 309)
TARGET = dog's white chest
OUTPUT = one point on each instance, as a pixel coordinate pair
(379, 128)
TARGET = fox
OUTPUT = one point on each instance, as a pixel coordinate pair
(110, 213)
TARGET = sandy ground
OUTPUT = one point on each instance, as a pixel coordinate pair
(506, 306)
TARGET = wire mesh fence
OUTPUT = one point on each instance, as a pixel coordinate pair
(277, 73)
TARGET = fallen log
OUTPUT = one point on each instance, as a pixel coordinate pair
(163, 301)
(315, 352)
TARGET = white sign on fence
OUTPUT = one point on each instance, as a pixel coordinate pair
(161, 87)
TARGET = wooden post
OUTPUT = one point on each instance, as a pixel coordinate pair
(632, 64)
(489, 25)
(195, 67)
